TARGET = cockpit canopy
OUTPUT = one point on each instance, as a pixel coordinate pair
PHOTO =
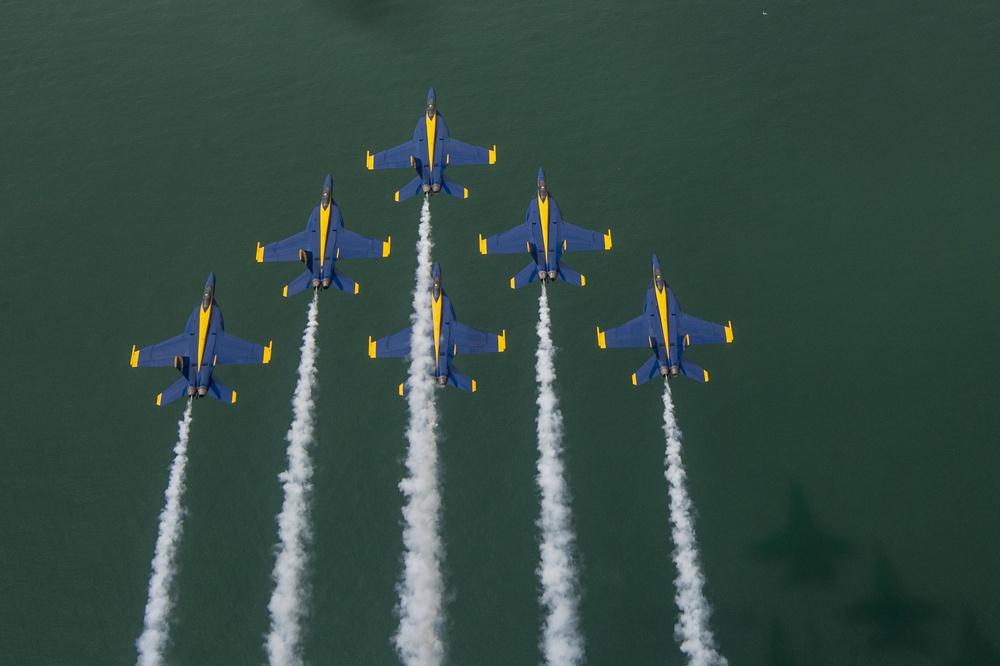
(436, 290)
(658, 279)
(327, 196)
(206, 299)
(431, 107)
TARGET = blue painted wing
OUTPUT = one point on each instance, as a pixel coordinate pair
(462, 154)
(394, 158)
(468, 340)
(231, 350)
(355, 246)
(634, 333)
(162, 354)
(509, 242)
(701, 332)
(460, 380)
(391, 346)
(581, 239)
(288, 249)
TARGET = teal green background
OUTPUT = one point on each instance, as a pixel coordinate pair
(825, 175)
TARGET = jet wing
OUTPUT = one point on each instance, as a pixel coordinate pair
(470, 340)
(394, 158)
(509, 242)
(582, 239)
(630, 334)
(231, 350)
(391, 346)
(285, 250)
(162, 354)
(700, 332)
(462, 154)
(355, 246)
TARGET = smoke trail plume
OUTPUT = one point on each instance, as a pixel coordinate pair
(561, 642)
(691, 629)
(289, 601)
(156, 624)
(419, 640)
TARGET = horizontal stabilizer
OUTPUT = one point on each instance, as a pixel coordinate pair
(299, 284)
(176, 390)
(650, 369)
(459, 380)
(412, 188)
(344, 283)
(526, 276)
(454, 189)
(221, 392)
(567, 274)
(689, 369)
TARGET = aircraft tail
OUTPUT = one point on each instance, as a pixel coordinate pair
(412, 188)
(459, 380)
(650, 369)
(299, 284)
(176, 390)
(567, 274)
(526, 276)
(454, 189)
(689, 369)
(221, 392)
(343, 283)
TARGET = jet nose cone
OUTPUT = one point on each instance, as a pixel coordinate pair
(210, 282)
(328, 183)
(430, 95)
(541, 174)
(656, 262)
(437, 271)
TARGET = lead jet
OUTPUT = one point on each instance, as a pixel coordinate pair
(324, 241)
(545, 236)
(668, 331)
(195, 353)
(450, 339)
(429, 152)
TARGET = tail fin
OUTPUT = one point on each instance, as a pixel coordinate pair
(526, 276)
(220, 391)
(689, 369)
(650, 369)
(459, 380)
(454, 189)
(344, 283)
(176, 390)
(299, 284)
(412, 188)
(567, 274)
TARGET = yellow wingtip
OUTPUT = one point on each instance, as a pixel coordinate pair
(583, 280)
(465, 192)
(260, 253)
(502, 341)
(371, 347)
(158, 398)
(400, 389)
(234, 398)
(473, 385)
(634, 382)
(493, 155)
(134, 361)
(600, 338)
(396, 196)
(284, 292)
(706, 375)
(482, 244)
(607, 240)
(369, 160)
(729, 332)
(357, 287)
(267, 351)
(387, 247)
(512, 283)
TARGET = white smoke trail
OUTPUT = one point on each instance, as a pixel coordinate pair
(289, 601)
(691, 629)
(419, 640)
(156, 624)
(562, 642)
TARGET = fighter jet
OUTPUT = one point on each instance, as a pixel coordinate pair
(668, 331)
(430, 151)
(195, 353)
(324, 241)
(450, 339)
(545, 236)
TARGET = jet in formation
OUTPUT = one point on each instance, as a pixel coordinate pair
(668, 331)
(545, 236)
(429, 152)
(195, 353)
(450, 339)
(324, 241)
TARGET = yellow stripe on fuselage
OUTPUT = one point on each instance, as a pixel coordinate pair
(543, 219)
(324, 226)
(431, 131)
(661, 307)
(436, 311)
(204, 316)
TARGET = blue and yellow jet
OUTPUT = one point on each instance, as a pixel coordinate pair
(430, 151)
(668, 331)
(324, 241)
(450, 339)
(545, 236)
(195, 352)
